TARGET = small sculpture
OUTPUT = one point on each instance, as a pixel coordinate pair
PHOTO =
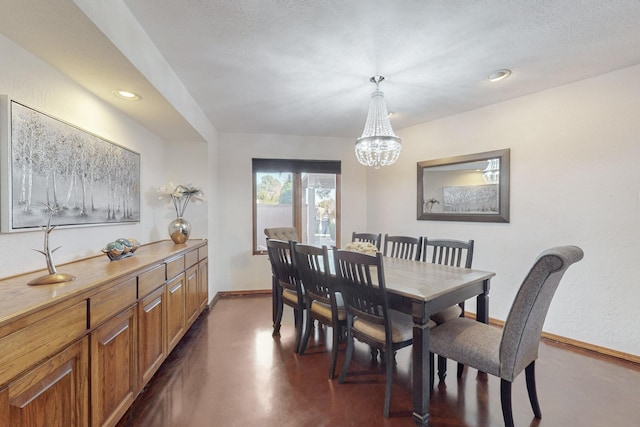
(53, 276)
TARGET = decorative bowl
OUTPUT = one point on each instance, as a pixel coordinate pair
(121, 248)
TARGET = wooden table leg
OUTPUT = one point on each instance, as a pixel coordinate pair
(421, 375)
(482, 303)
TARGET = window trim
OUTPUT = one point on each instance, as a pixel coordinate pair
(297, 168)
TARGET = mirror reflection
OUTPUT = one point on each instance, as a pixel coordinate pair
(465, 188)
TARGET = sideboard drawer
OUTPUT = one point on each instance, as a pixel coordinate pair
(41, 339)
(191, 258)
(151, 280)
(111, 301)
(175, 266)
(203, 252)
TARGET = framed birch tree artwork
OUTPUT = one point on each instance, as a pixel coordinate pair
(86, 179)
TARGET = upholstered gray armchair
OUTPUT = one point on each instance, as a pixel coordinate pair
(507, 353)
(456, 253)
(282, 233)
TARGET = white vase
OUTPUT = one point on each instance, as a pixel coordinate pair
(179, 230)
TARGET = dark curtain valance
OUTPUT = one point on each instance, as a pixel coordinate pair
(296, 166)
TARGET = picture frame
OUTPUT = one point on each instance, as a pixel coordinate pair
(471, 199)
(88, 180)
(472, 187)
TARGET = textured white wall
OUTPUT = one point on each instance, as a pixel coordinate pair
(188, 164)
(574, 180)
(194, 163)
(28, 80)
(237, 268)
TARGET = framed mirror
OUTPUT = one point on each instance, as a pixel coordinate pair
(474, 187)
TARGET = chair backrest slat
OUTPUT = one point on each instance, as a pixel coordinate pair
(447, 252)
(361, 281)
(372, 238)
(282, 263)
(312, 263)
(405, 247)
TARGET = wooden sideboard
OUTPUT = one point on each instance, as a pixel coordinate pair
(78, 353)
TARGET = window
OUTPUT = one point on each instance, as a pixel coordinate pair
(301, 193)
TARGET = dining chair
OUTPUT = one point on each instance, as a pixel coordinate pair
(287, 287)
(506, 353)
(323, 303)
(369, 318)
(375, 239)
(280, 233)
(455, 253)
(402, 247)
(447, 252)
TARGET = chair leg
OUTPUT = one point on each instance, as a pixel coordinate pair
(442, 368)
(383, 356)
(274, 299)
(374, 353)
(505, 399)
(347, 358)
(278, 317)
(530, 374)
(342, 336)
(299, 320)
(334, 350)
(307, 333)
(389, 382)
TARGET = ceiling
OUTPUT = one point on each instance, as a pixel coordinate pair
(302, 67)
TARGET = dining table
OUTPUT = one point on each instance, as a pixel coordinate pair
(422, 289)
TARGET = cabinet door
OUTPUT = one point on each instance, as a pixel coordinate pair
(53, 394)
(203, 282)
(113, 368)
(192, 304)
(175, 310)
(152, 346)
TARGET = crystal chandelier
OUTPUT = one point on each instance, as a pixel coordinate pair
(378, 145)
(491, 174)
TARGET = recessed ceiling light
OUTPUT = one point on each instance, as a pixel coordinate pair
(124, 94)
(499, 75)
